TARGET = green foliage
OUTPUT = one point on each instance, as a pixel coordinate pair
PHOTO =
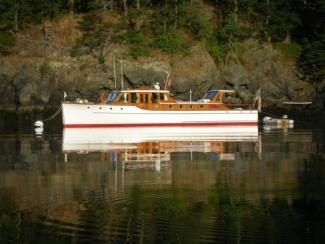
(191, 17)
(83, 66)
(6, 40)
(162, 19)
(44, 68)
(229, 38)
(312, 60)
(147, 24)
(76, 50)
(196, 20)
(17, 14)
(138, 50)
(46, 9)
(283, 19)
(91, 40)
(89, 22)
(215, 51)
(233, 31)
(80, 6)
(95, 33)
(101, 58)
(139, 43)
(290, 50)
(133, 19)
(171, 43)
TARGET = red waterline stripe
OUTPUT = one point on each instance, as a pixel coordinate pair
(158, 124)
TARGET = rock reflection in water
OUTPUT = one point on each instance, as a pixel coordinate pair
(173, 189)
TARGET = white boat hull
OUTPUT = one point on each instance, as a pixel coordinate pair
(97, 115)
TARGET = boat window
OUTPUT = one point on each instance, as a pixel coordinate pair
(108, 98)
(210, 95)
(121, 98)
(124, 97)
(154, 98)
(143, 98)
(133, 97)
(162, 97)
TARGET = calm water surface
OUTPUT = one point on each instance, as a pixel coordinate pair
(263, 186)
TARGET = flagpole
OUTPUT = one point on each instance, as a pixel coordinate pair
(122, 73)
(259, 108)
(114, 73)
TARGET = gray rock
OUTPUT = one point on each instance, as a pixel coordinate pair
(138, 75)
(233, 100)
(197, 72)
(260, 66)
(29, 73)
(26, 93)
(235, 75)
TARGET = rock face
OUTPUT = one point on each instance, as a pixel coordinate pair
(277, 77)
(196, 72)
(26, 81)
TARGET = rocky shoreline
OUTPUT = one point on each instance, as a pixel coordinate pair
(30, 79)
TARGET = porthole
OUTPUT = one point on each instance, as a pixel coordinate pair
(201, 106)
(88, 107)
(181, 106)
(100, 107)
(121, 108)
(110, 108)
(170, 106)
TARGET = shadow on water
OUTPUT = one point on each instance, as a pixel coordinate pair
(23, 121)
(261, 187)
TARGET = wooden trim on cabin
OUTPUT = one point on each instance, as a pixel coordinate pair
(163, 101)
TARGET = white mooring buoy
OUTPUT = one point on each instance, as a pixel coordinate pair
(38, 123)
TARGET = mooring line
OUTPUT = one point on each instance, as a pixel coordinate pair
(54, 115)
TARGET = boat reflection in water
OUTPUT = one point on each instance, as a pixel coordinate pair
(151, 148)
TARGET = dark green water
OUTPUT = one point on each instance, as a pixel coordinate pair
(269, 189)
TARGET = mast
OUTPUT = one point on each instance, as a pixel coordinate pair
(122, 87)
(259, 108)
(114, 73)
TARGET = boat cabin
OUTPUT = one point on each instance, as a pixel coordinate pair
(138, 97)
(155, 99)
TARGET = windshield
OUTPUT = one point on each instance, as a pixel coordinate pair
(210, 95)
(111, 97)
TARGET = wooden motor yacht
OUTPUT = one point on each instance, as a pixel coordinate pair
(156, 107)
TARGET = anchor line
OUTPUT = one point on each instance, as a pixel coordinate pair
(54, 115)
(272, 115)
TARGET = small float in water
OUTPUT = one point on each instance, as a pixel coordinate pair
(38, 124)
(284, 122)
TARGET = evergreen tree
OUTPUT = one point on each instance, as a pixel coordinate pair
(312, 59)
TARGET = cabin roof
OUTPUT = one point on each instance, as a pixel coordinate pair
(226, 91)
(145, 91)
